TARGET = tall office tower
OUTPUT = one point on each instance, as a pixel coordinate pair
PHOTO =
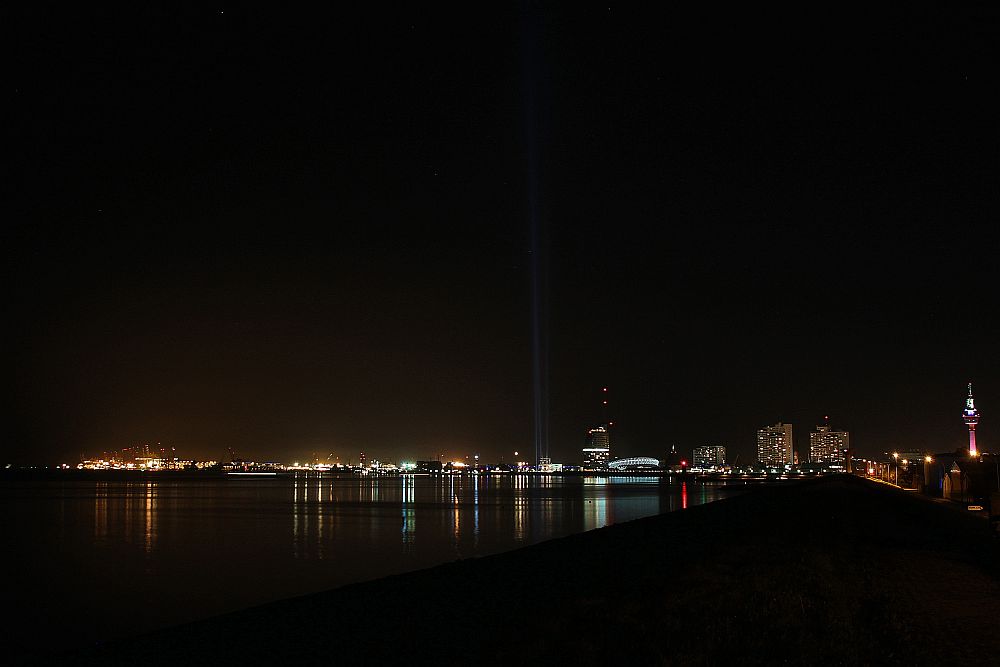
(597, 449)
(709, 456)
(775, 446)
(673, 458)
(971, 417)
(829, 446)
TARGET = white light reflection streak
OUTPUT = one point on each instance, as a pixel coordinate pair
(520, 507)
(305, 516)
(319, 517)
(475, 512)
(409, 518)
(595, 507)
(455, 515)
(295, 518)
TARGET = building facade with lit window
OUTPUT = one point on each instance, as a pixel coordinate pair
(775, 446)
(597, 449)
(709, 456)
(829, 446)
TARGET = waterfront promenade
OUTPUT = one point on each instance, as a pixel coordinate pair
(825, 571)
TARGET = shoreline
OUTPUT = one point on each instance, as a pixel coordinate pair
(827, 570)
(75, 475)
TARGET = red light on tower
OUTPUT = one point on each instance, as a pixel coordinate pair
(971, 418)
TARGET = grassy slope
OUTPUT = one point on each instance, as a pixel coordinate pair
(828, 571)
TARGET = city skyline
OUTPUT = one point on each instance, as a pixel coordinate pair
(235, 229)
(824, 445)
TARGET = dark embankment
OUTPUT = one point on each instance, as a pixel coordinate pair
(825, 571)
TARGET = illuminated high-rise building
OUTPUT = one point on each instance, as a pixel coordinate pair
(829, 446)
(775, 446)
(709, 456)
(597, 449)
(597, 446)
(971, 418)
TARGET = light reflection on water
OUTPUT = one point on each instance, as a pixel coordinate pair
(518, 506)
(148, 518)
(127, 510)
(124, 556)
(523, 509)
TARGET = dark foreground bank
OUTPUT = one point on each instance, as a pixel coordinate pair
(835, 570)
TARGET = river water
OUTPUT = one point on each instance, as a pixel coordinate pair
(91, 561)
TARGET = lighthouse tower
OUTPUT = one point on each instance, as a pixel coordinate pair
(971, 417)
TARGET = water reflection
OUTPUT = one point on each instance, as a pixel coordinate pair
(126, 513)
(337, 517)
(202, 546)
(296, 511)
(409, 513)
(595, 503)
(150, 523)
(667, 499)
(313, 515)
(520, 507)
(319, 519)
(475, 510)
(101, 512)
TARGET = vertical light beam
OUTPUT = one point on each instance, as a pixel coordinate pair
(530, 64)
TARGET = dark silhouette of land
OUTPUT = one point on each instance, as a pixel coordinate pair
(828, 571)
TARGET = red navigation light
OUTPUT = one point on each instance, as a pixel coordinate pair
(683, 463)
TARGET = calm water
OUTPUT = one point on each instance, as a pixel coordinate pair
(99, 560)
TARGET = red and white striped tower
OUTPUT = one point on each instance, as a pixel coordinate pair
(971, 417)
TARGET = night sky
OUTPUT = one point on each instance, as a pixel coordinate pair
(289, 232)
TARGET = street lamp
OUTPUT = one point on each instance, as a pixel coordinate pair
(895, 456)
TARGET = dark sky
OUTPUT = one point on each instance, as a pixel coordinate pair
(291, 232)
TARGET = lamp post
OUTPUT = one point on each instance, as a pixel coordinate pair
(928, 460)
(895, 456)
